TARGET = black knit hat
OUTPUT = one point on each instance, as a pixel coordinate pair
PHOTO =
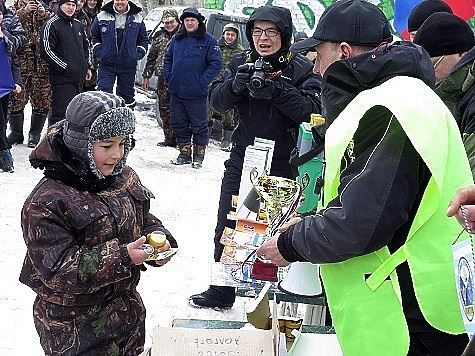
(95, 116)
(422, 11)
(443, 34)
(61, 2)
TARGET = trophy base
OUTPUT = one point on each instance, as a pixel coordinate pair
(264, 271)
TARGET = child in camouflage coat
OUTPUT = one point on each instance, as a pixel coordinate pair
(84, 225)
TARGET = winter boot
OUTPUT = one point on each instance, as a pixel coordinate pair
(16, 126)
(226, 140)
(38, 118)
(216, 297)
(198, 155)
(6, 161)
(185, 154)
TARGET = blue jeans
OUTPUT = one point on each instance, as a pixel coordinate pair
(106, 78)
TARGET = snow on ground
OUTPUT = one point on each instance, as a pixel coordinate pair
(186, 202)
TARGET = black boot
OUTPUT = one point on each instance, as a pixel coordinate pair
(38, 118)
(198, 155)
(6, 161)
(16, 126)
(226, 140)
(185, 154)
(216, 297)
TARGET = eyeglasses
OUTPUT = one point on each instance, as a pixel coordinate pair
(271, 32)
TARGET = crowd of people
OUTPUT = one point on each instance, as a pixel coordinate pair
(384, 236)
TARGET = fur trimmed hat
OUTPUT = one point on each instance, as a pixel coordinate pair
(422, 11)
(443, 34)
(192, 12)
(95, 116)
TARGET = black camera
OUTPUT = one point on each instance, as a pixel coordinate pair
(260, 69)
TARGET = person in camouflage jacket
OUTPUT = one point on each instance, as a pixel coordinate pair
(34, 72)
(154, 65)
(229, 45)
(84, 225)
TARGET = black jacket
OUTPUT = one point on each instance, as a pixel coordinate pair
(64, 45)
(382, 187)
(277, 119)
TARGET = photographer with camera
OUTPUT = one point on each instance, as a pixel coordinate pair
(273, 92)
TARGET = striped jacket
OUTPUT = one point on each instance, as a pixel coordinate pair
(64, 45)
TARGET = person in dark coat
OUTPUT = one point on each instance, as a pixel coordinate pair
(355, 224)
(119, 40)
(273, 112)
(84, 226)
(450, 42)
(192, 61)
(65, 47)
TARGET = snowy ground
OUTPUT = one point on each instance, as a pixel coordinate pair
(186, 201)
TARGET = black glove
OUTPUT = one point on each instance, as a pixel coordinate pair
(270, 90)
(241, 79)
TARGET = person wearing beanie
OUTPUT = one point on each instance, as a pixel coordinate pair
(160, 41)
(422, 11)
(229, 46)
(450, 42)
(84, 227)
(373, 202)
(119, 41)
(191, 62)
(64, 45)
(10, 82)
(274, 111)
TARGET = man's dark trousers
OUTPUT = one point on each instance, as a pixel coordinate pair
(106, 77)
(188, 118)
(61, 96)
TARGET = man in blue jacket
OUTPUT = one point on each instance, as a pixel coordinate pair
(190, 64)
(119, 40)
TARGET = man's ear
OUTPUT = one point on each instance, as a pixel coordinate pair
(345, 50)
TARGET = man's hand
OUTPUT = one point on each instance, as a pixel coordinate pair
(241, 79)
(145, 83)
(161, 262)
(464, 197)
(88, 74)
(41, 10)
(268, 251)
(17, 89)
(268, 91)
(31, 7)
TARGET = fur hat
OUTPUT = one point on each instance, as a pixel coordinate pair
(444, 34)
(423, 10)
(95, 116)
(192, 12)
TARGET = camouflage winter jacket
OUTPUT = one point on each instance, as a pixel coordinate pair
(29, 54)
(76, 239)
(228, 50)
(160, 42)
(457, 91)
